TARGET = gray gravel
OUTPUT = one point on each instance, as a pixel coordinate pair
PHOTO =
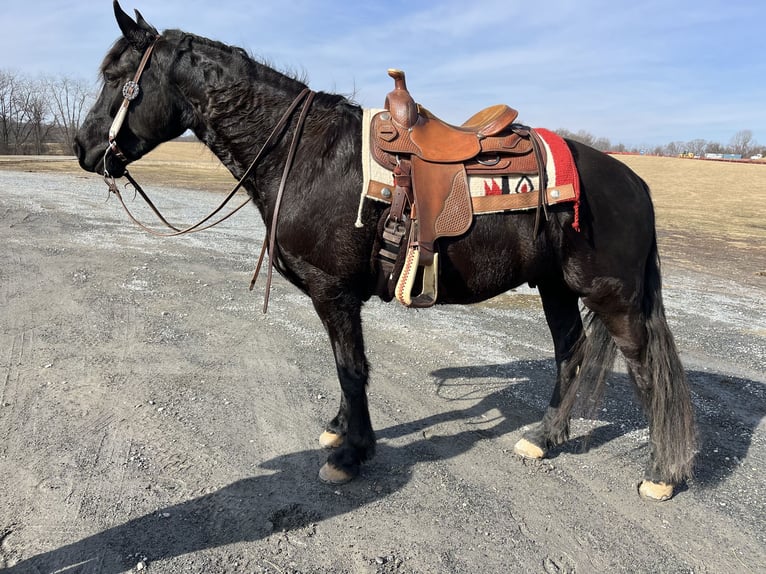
(153, 419)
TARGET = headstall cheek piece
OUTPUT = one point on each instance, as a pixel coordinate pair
(130, 92)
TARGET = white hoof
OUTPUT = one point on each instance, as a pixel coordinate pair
(658, 491)
(330, 439)
(528, 450)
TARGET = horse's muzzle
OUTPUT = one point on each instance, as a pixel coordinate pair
(90, 159)
(98, 160)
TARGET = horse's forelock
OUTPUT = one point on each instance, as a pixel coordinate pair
(120, 46)
(113, 54)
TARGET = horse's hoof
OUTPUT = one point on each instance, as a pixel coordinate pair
(332, 475)
(329, 439)
(657, 491)
(528, 450)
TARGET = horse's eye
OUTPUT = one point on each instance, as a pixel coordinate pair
(111, 79)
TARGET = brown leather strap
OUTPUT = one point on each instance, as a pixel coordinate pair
(539, 151)
(278, 202)
(542, 206)
(493, 203)
(191, 229)
(200, 225)
(402, 190)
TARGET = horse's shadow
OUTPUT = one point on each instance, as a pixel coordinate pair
(728, 410)
(501, 398)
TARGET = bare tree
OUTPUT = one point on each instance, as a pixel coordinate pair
(697, 146)
(23, 103)
(22, 113)
(581, 136)
(38, 114)
(674, 149)
(8, 83)
(714, 147)
(69, 100)
(742, 143)
(584, 137)
(602, 144)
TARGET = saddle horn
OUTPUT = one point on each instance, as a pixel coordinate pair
(399, 102)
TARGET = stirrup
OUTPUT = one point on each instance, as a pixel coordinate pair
(429, 290)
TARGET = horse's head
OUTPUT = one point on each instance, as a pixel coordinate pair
(152, 113)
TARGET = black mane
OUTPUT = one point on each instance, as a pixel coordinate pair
(243, 94)
(257, 69)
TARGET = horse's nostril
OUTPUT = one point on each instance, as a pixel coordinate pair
(81, 152)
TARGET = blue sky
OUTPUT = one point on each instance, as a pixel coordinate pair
(644, 72)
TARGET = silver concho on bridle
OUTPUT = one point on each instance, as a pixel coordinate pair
(130, 90)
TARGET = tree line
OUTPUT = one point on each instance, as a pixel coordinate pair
(40, 115)
(741, 143)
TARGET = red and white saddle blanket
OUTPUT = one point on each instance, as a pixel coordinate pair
(512, 192)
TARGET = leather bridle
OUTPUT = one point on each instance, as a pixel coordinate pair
(130, 92)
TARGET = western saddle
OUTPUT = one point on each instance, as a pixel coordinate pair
(431, 161)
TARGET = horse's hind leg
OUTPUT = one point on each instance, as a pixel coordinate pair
(562, 313)
(656, 370)
(350, 431)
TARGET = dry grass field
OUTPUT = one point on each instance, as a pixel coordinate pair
(180, 164)
(710, 215)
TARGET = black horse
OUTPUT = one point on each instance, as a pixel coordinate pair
(232, 102)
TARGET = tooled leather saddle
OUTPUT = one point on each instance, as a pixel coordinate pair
(431, 161)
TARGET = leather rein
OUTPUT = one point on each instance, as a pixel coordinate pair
(130, 92)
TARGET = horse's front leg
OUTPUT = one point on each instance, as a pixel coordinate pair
(350, 433)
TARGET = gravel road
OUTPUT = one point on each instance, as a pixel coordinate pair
(153, 419)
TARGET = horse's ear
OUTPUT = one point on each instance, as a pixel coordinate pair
(138, 36)
(145, 25)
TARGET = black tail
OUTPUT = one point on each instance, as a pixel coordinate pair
(667, 401)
